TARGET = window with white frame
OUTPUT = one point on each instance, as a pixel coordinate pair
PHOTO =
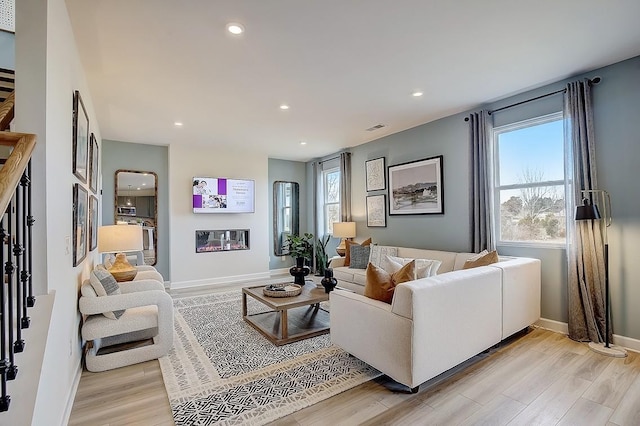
(529, 182)
(331, 198)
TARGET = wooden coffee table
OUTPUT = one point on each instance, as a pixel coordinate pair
(292, 318)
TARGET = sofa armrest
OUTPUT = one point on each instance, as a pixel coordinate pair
(336, 262)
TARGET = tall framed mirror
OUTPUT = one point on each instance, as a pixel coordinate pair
(286, 212)
(136, 203)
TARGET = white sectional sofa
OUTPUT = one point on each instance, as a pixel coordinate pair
(434, 323)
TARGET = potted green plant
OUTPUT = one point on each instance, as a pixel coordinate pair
(300, 248)
(322, 259)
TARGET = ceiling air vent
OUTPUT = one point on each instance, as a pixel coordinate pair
(376, 127)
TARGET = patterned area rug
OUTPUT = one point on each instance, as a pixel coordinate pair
(222, 371)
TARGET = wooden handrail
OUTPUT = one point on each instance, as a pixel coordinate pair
(11, 173)
(6, 111)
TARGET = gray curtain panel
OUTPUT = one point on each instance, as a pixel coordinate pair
(481, 221)
(345, 186)
(585, 249)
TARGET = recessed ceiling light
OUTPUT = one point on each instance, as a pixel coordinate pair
(138, 189)
(303, 143)
(417, 94)
(235, 29)
(284, 106)
(144, 184)
(178, 124)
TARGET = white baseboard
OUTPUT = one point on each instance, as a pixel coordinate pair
(563, 327)
(72, 395)
(221, 281)
(279, 271)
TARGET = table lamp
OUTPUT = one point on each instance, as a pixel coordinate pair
(344, 230)
(120, 239)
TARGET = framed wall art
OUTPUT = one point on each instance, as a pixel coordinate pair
(376, 211)
(80, 215)
(416, 187)
(80, 138)
(93, 222)
(94, 164)
(375, 176)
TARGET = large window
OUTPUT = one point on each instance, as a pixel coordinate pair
(331, 195)
(529, 186)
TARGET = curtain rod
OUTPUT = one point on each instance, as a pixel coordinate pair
(593, 81)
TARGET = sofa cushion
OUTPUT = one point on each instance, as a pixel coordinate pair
(379, 252)
(104, 284)
(347, 251)
(344, 273)
(424, 267)
(380, 284)
(359, 256)
(483, 258)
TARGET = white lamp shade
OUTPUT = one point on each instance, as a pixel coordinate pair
(344, 229)
(119, 238)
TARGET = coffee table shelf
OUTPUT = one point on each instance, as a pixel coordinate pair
(292, 318)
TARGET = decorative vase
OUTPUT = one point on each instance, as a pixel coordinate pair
(328, 282)
(299, 271)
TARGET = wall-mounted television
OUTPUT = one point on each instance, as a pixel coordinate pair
(222, 195)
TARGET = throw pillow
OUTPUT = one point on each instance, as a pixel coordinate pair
(483, 258)
(424, 267)
(347, 251)
(380, 284)
(379, 252)
(104, 284)
(359, 256)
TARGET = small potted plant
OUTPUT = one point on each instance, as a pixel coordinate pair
(300, 248)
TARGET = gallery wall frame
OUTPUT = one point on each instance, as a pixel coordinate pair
(376, 211)
(80, 138)
(416, 187)
(94, 164)
(375, 174)
(80, 215)
(93, 222)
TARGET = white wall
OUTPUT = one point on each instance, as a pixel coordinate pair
(189, 268)
(48, 70)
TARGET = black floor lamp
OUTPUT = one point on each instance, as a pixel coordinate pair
(590, 211)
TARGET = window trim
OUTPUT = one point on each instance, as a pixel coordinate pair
(325, 203)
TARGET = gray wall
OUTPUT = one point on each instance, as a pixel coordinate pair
(147, 158)
(292, 171)
(7, 50)
(616, 107)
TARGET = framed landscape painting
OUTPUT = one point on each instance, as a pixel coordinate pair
(80, 138)
(93, 222)
(80, 215)
(416, 187)
(94, 163)
(375, 177)
(376, 211)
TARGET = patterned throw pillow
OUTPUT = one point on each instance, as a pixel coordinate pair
(380, 284)
(105, 285)
(347, 251)
(359, 256)
(379, 252)
(483, 258)
(424, 267)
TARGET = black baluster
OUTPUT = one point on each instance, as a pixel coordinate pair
(31, 300)
(4, 363)
(25, 321)
(18, 344)
(12, 369)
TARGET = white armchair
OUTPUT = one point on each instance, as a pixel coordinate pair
(148, 315)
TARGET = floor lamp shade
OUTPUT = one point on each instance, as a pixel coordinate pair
(343, 230)
(119, 239)
(590, 211)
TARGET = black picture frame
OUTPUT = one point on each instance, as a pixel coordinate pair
(93, 222)
(417, 187)
(94, 164)
(375, 178)
(80, 138)
(80, 215)
(377, 211)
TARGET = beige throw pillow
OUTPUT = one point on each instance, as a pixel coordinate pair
(483, 258)
(424, 267)
(380, 284)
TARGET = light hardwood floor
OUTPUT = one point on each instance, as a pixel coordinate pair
(541, 378)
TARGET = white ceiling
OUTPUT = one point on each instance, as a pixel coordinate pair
(342, 65)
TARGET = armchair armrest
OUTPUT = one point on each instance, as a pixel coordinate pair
(99, 305)
(140, 285)
(141, 268)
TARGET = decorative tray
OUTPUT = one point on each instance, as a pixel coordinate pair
(282, 290)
